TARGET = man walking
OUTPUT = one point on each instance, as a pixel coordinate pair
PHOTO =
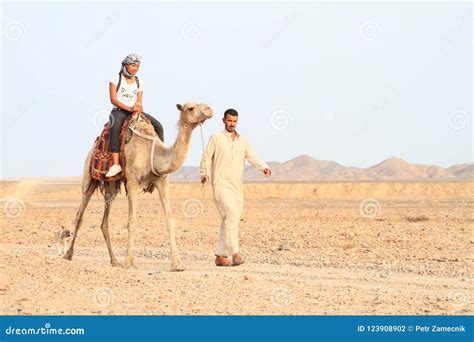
(223, 161)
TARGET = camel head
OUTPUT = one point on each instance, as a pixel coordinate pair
(194, 113)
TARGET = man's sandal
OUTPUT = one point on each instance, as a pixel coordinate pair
(222, 261)
(237, 262)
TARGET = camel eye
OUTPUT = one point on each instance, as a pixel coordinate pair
(191, 108)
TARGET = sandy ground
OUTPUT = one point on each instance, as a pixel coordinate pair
(311, 248)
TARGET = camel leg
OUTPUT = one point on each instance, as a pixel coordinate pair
(110, 194)
(86, 196)
(132, 222)
(163, 188)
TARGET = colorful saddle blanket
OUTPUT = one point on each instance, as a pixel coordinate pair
(102, 157)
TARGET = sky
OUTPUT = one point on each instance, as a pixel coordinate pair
(351, 82)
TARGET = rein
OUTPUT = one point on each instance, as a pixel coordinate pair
(152, 153)
(155, 139)
(205, 169)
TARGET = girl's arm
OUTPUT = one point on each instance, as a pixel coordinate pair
(138, 104)
(113, 98)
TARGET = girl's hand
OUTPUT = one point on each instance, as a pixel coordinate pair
(138, 107)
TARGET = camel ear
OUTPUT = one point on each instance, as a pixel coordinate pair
(180, 108)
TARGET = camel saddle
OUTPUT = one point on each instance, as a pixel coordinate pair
(102, 157)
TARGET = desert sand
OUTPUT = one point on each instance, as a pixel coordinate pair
(311, 248)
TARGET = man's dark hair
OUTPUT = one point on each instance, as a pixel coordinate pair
(230, 111)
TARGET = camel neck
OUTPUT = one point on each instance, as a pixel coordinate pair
(176, 154)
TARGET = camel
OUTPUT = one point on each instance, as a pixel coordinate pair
(141, 174)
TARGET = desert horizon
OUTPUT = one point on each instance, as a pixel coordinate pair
(305, 168)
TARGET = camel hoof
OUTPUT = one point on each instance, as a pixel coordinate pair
(115, 263)
(178, 268)
(68, 256)
(130, 265)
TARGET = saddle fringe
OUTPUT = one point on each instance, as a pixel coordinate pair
(100, 185)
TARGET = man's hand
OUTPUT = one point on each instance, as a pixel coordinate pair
(267, 172)
(203, 179)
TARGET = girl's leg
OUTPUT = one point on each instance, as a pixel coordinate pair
(157, 126)
(116, 120)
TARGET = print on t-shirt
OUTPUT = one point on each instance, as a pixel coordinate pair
(127, 93)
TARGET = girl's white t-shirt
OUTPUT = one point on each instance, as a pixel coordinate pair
(127, 94)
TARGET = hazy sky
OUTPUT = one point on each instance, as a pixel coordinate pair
(354, 83)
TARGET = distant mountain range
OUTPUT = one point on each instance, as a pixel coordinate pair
(306, 168)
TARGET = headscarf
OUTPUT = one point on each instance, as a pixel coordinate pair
(132, 58)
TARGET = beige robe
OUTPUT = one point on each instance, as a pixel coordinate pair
(223, 162)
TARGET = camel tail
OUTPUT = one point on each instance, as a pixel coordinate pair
(87, 180)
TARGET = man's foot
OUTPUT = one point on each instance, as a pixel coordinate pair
(116, 168)
(237, 259)
(222, 261)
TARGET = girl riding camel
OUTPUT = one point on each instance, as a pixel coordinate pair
(126, 94)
